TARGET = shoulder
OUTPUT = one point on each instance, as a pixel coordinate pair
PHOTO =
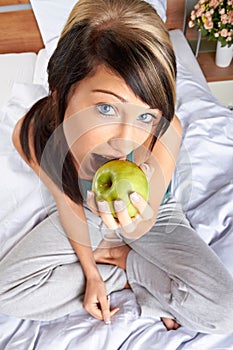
(167, 148)
(17, 143)
(172, 137)
(176, 124)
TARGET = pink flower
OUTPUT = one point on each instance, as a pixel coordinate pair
(215, 17)
(199, 12)
(224, 33)
(224, 19)
(208, 14)
(208, 24)
(230, 17)
(214, 3)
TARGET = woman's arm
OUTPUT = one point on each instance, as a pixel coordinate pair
(73, 219)
(162, 162)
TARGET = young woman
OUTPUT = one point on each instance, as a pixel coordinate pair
(112, 96)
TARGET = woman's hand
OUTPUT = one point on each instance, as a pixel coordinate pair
(96, 302)
(124, 222)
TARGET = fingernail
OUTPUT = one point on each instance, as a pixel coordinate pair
(107, 321)
(103, 206)
(134, 197)
(119, 205)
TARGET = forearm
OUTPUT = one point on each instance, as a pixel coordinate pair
(75, 225)
(161, 164)
(86, 259)
(73, 219)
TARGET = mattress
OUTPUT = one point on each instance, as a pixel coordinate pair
(202, 183)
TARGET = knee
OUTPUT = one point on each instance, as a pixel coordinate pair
(219, 315)
(223, 315)
(212, 313)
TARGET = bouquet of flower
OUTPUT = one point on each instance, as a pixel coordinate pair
(214, 18)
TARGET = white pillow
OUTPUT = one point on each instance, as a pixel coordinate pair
(18, 68)
(160, 6)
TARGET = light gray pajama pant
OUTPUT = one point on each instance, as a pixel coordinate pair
(171, 270)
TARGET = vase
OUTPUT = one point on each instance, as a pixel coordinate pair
(223, 55)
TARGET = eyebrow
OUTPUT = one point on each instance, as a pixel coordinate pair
(122, 99)
(111, 93)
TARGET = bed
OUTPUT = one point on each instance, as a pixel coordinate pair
(202, 182)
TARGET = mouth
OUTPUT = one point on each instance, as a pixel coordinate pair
(100, 159)
(97, 160)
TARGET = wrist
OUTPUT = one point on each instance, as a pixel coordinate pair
(93, 274)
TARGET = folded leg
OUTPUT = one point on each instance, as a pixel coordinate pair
(41, 278)
(175, 274)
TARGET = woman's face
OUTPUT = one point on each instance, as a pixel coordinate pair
(105, 120)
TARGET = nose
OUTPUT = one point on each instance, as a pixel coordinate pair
(123, 140)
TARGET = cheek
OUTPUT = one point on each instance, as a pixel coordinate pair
(82, 144)
(140, 135)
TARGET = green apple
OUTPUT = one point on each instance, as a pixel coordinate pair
(116, 179)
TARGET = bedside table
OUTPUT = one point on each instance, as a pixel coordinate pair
(220, 80)
(223, 91)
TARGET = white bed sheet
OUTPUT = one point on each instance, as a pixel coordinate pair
(206, 196)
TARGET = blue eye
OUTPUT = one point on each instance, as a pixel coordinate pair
(146, 118)
(106, 109)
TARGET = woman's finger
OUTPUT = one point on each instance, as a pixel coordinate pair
(106, 215)
(105, 309)
(142, 206)
(125, 221)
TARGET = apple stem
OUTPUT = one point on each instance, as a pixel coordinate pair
(106, 185)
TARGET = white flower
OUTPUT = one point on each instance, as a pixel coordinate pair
(191, 24)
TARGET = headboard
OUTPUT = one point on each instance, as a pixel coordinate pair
(19, 31)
